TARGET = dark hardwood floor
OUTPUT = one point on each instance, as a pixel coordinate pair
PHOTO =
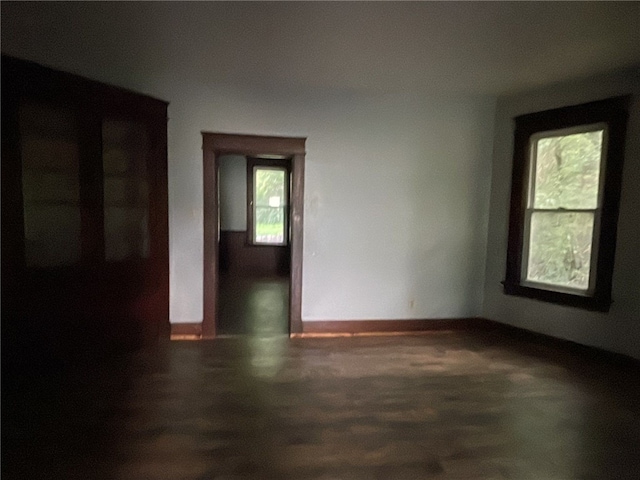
(257, 306)
(450, 405)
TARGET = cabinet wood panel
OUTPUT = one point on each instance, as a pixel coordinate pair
(85, 267)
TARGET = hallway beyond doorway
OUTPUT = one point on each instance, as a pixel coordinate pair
(256, 306)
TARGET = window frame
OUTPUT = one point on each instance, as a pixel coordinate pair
(267, 163)
(532, 156)
(612, 115)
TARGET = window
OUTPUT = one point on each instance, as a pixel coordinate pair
(268, 208)
(564, 203)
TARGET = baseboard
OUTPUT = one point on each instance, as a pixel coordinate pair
(345, 328)
(542, 341)
(383, 327)
(534, 340)
(186, 331)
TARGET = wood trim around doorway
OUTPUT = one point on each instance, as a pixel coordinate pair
(215, 145)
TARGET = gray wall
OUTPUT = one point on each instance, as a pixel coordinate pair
(618, 330)
(232, 178)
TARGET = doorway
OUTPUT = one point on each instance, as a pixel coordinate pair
(253, 250)
(270, 154)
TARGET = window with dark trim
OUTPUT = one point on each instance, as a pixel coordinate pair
(268, 201)
(567, 171)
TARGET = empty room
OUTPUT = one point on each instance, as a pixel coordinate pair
(320, 240)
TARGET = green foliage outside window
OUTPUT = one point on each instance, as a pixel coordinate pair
(566, 177)
(270, 203)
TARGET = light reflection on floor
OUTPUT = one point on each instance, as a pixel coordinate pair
(253, 306)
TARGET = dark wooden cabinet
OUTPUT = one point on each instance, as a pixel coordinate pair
(85, 267)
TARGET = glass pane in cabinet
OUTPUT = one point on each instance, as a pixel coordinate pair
(126, 190)
(126, 233)
(50, 185)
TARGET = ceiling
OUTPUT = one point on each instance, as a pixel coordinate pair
(472, 48)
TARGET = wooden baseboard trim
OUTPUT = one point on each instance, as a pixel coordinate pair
(526, 339)
(541, 342)
(383, 327)
(352, 328)
(186, 331)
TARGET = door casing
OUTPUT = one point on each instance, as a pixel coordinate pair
(214, 145)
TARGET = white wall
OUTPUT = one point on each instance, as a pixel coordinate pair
(396, 197)
(396, 186)
(618, 330)
(232, 185)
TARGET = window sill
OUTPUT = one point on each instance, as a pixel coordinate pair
(586, 302)
(259, 245)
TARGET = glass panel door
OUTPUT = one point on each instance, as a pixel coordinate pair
(125, 147)
(50, 185)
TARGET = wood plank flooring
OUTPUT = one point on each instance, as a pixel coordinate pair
(448, 405)
(257, 306)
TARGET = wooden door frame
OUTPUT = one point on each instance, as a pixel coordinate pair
(214, 145)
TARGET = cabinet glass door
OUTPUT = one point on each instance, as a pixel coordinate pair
(125, 147)
(50, 185)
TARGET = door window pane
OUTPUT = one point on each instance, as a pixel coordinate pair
(50, 185)
(126, 190)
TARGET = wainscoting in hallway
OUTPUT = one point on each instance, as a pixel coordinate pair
(452, 405)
